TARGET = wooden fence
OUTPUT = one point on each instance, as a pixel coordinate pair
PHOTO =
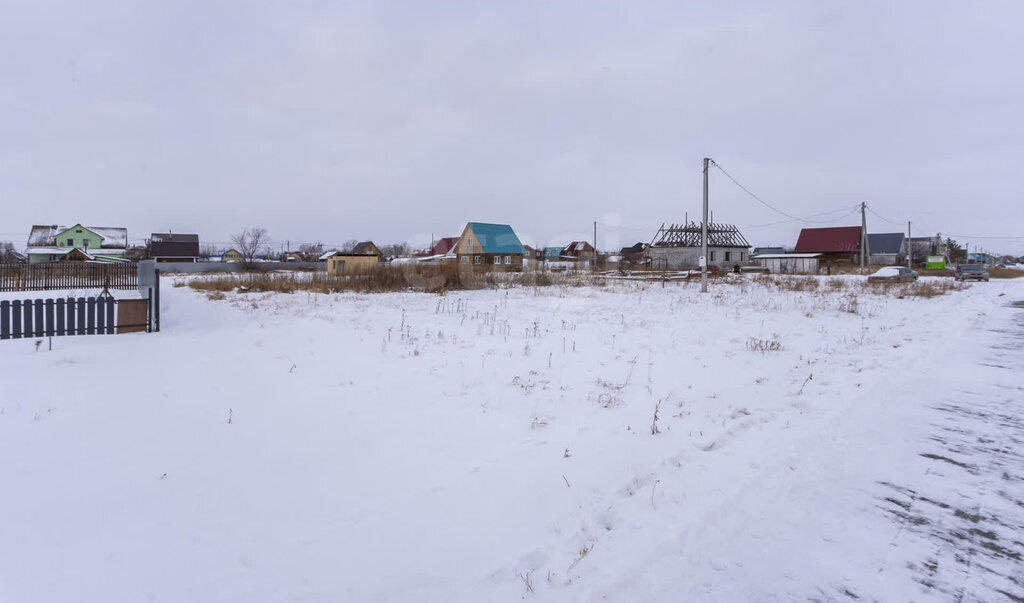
(102, 315)
(67, 275)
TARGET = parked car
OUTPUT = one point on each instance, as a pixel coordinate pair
(970, 272)
(893, 274)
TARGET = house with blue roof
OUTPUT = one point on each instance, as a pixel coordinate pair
(489, 248)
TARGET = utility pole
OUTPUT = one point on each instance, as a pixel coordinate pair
(704, 234)
(594, 261)
(910, 244)
(863, 236)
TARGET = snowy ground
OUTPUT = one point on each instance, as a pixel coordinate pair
(497, 445)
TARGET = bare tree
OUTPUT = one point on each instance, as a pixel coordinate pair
(349, 246)
(249, 242)
(8, 254)
(208, 251)
(312, 250)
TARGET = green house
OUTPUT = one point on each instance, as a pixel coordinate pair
(54, 243)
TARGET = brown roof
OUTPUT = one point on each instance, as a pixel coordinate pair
(444, 245)
(838, 239)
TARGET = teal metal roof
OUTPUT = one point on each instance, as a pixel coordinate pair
(496, 238)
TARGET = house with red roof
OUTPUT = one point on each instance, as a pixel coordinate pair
(837, 244)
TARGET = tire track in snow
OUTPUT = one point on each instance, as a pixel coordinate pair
(968, 508)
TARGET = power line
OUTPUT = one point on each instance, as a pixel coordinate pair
(874, 213)
(849, 210)
(791, 217)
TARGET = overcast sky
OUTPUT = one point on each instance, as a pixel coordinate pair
(391, 121)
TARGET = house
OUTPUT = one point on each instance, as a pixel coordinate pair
(52, 243)
(886, 249)
(532, 257)
(788, 263)
(232, 255)
(489, 248)
(679, 247)
(293, 256)
(767, 250)
(920, 248)
(633, 254)
(552, 254)
(578, 251)
(367, 248)
(167, 247)
(837, 245)
(348, 264)
(443, 246)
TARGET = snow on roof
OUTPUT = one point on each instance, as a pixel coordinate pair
(45, 236)
(328, 254)
(774, 256)
(166, 237)
(66, 250)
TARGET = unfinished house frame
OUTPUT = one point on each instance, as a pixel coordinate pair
(678, 247)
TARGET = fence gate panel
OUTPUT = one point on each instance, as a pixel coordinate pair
(5, 319)
(132, 315)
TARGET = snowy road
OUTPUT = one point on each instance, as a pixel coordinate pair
(967, 509)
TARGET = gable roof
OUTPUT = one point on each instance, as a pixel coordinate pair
(577, 247)
(166, 237)
(888, 243)
(365, 248)
(46, 236)
(444, 245)
(167, 245)
(496, 238)
(836, 239)
(328, 254)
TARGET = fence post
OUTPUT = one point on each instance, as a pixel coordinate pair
(49, 318)
(156, 302)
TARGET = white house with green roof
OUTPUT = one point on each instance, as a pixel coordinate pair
(54, 243)
(489, 248)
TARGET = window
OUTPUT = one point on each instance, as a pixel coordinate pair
(464, 259)
(508, 259)
(497, 259)
(78, 231)
(712, 256)
(85, 243)
(742, 253)
(727, 256)
(71, 242)
(476, 259)
(470, 242)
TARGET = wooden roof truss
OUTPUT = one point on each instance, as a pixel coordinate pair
(688, 235)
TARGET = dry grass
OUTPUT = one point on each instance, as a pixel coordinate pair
(997, 272)
(407, 277)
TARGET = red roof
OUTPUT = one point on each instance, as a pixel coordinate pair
(444, 245)
(828, 240)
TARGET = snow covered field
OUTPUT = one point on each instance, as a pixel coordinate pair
(633, 442)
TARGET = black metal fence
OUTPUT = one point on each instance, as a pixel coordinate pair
(67, 275)
(74, 316)
(99, 315)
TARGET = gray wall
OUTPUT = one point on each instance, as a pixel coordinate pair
(193, 267)
(686, 258)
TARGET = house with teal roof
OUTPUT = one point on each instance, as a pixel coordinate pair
(489, 248)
